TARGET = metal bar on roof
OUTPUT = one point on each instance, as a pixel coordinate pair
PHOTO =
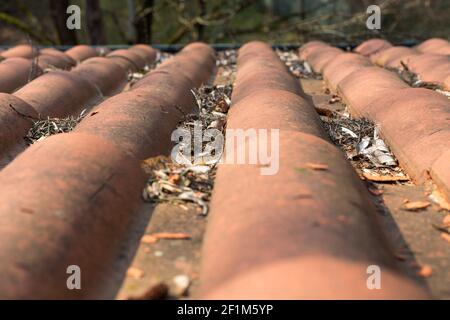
(216, 46)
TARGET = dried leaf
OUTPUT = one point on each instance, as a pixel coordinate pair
(446, 221)
(135, 273)
(174, 178)
(300, 69)
(43, 128)
(349, 132)
(199, 169)
(172, 236)
(442, 229)
(363, 145)
(443, 92)
(445, 236)
(149, 239)
(416, 205)
(307, 67)
(359, 139)
(192, 179)
(325, 112)
(399, 256)
(438, 198)
(379, 143)
(316, 166)
(385, 158)
(182, 283)
(384, 178)
(425, 271)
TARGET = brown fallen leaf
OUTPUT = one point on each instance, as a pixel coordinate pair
(437, 197)
(135, 273)
(399, 256)
(149, 239)
(442, 229)
(445, 236)
(155, 163)
(425, 271)
(444, 205)
(159, 291)
(169, 235)
(174, 178)
(325, 112)
(384, 178)
(316, 166)
(26, 210)
(416, 205)
(446, 221)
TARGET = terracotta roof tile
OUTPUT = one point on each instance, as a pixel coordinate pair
(140, 121)
(59, 94)
(310, 47)
(146, 52)
(341, 66)
(81, 52)
(411, 119)
(16, 72)
(132, 60)
(372, 46)
(319, 58)
(392, 57)
(68, 199)
(435, 46)
(250, 75)
(354, 87)
(431, 68)
(22, 50)
(69, 61)
(15, 121)
(104, 73)
(249, 208)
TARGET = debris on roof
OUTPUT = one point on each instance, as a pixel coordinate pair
(43, 128)
(185, 180)
(178, 184)
(226, 60)
(300, 69)
(360, 140)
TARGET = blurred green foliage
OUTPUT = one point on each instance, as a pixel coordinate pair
(237, 21)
